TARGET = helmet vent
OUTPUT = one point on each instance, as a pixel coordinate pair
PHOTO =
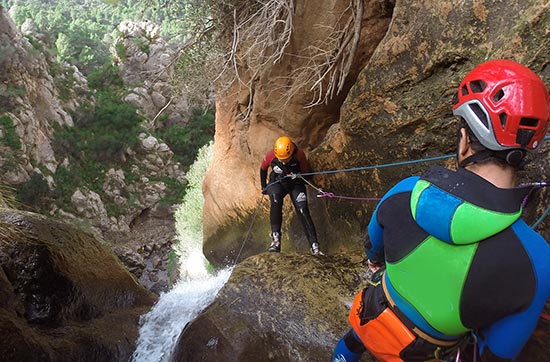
(503, 117)
(478, 86)
(529, 122)
(480, 114)
(498, 96)
(524, 136)
(464, 90)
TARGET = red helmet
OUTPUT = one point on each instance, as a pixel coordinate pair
(505, 104)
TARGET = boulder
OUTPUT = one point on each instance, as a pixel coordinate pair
(64, 295)
(275, 307)
(292, 307)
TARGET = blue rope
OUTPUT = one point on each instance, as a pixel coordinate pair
(537, 223)
(379, 166)
(546, 138)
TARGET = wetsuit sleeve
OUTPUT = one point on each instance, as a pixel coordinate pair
(374, 242)
(504, 340)
(266, 162)
(263, 178)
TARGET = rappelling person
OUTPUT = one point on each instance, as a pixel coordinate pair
(453, 262)
(287, 161)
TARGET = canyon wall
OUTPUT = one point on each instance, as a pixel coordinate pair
(409, 62)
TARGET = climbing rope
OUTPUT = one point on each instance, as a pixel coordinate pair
(401, 163)
(322, 193)
(541, 218)
(249, 230)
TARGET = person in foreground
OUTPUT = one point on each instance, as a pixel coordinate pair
(454, 262)
(286, 161)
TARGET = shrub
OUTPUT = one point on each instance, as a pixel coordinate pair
(106, 77)
(186, 141)
(34, 192)
(11, 138)
(189, 214)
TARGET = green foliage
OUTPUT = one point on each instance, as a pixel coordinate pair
(175, 191)
(34, 192)
(142, 44)
(189, 214)
(105, 77)
(173, 261)
(81, 30)
(120, 50)
(66, 184)
(97, 142)
(185, 141)
(103, 133)
(11, 138)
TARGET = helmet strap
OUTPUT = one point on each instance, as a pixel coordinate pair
(476, 158)
(515, 157)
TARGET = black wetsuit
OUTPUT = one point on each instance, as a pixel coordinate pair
(280, 185)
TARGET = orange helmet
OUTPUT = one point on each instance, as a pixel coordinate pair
(283, 148)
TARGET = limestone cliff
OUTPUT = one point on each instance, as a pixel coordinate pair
(39, 96)
(409, 61)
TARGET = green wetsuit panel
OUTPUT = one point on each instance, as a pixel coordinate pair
(431, 278)
(465, 228)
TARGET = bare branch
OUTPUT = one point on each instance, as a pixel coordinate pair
(261, 31)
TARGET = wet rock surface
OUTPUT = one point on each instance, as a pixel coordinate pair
(276, 307)
(292, 307)
(64, 295)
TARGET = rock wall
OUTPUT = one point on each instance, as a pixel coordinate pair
(146, 63)
(231, 187)
(398, 109)
(30, 97)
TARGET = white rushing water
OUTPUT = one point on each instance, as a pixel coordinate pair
(161, 327)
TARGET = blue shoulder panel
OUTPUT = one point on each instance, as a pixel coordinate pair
(374, 229)
(445, 204)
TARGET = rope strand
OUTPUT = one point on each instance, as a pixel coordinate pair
(401, 163)
(541, 218)
(322, 193)
(249, 229)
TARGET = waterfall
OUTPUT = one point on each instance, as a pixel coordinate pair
(161, 327)
(197, 288)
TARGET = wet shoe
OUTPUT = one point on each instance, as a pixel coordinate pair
(275, 242)
(275, 247)
(315, 250)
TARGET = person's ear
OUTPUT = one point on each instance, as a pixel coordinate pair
(463, 142)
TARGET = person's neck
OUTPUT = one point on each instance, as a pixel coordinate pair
(501, 176)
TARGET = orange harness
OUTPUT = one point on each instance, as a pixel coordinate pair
(386, 336)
